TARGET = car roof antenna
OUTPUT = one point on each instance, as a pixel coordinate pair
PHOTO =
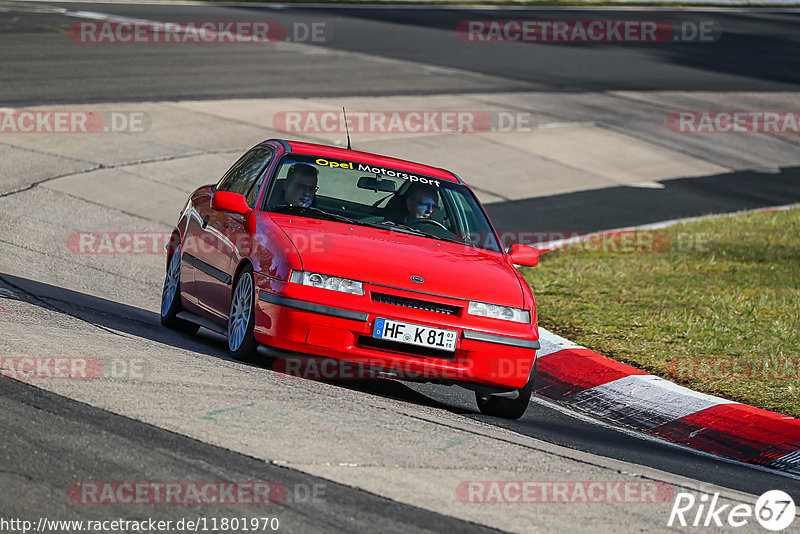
(345, 127)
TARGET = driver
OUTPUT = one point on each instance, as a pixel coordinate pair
(421, 202)
(300, 187)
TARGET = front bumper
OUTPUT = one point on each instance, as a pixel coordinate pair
(313, 321)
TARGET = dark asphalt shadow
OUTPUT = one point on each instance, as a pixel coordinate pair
(109, 314)
(145, 324)
(747, 46)
(623, 206)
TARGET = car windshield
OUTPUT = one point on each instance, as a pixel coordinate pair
(368, 195)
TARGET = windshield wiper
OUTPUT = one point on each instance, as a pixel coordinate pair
(391, 225)
(316, 211)
(440, 238)
(434, 236)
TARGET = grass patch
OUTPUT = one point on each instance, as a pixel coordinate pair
(713, 305)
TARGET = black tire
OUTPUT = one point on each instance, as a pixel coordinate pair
(246, 349)
(505, 407)
(171, 297)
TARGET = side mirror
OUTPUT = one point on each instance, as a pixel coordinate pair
(370, 182)
(230, 202)
(524, 255)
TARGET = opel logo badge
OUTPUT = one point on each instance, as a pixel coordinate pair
(417, 279)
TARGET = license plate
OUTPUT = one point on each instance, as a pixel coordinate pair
(414, 334)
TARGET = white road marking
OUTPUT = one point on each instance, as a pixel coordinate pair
(552, 343)
(645, 399)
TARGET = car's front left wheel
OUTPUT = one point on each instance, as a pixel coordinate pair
(241, 318)
(505, 407)
(171, 296)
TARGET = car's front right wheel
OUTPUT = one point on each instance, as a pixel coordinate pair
(505, 407)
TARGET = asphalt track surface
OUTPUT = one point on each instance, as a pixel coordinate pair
(93, 441)
(542, 420)
(758, 53)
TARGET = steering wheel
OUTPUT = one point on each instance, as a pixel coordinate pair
(413, 222)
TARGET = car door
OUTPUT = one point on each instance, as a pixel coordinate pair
(221, 231)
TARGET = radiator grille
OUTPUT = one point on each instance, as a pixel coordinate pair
(415, 303)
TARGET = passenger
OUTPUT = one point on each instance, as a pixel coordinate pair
(421, 202)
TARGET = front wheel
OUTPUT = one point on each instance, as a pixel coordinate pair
(241, 318)
(508, 408)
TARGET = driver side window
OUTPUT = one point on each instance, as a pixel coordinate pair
(247, 174)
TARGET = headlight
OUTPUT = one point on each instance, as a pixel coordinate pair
(499, 312)
(327, 282)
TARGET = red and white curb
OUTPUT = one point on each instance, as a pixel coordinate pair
(577, 376)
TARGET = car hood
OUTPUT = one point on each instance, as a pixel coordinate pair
(391, 258)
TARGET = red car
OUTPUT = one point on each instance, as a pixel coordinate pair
(308, 250)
